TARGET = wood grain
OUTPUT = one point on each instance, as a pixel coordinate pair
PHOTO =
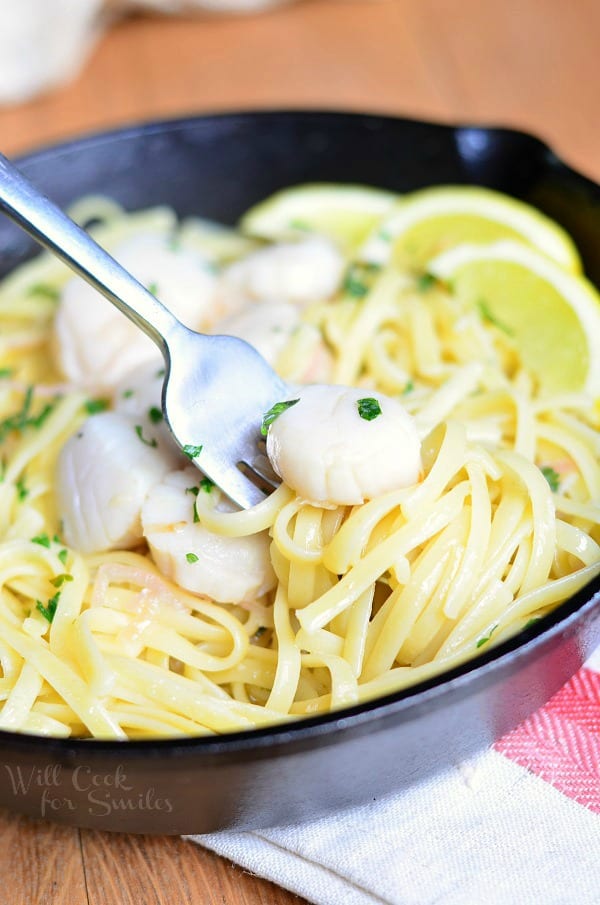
(526, 63)
(40, 863)
(157, 870)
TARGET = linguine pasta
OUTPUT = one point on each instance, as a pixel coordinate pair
(368, 599)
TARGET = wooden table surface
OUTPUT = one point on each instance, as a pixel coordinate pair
(526, 63)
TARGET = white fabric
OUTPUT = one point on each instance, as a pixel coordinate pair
(483, 833)
(43, 43)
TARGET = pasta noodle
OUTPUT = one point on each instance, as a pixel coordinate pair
(367, 599)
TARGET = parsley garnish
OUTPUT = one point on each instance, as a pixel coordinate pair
(552, 477)
(23, 418)
(425, 282)
(368, 408)
(191, 557)
(152, 443)
(409, 387)
(127, 394)
(93, 406)
(359, 278)
(63, 556)
(49, 610)
(160, 373)
(153, 288)
(532, 621)
(155, 414)
(6, 372)
(301, 225)
(207, 485)
(174, 242)
(59, 581)
(487, 315)
(22, 489)
(193, 490)
(42, 539)
(274, 412)
(485, 640)
(191, 451)
(44, 289)
(385, 235)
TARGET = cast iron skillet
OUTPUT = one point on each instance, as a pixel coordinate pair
(217, 166)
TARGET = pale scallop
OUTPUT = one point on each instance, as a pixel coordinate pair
(226, 569)
(104, 472)
(265, 325)
(298, 272)
(96, 345)
(323, 449)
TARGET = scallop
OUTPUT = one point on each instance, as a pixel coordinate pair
(104, 473)
(265, 325)
(301, 272)
(96, 345)
(226, 569)
(341, 445)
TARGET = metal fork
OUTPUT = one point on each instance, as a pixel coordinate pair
(216, 388)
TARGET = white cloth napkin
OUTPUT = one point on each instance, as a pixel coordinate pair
(43, 43)
(519, 825)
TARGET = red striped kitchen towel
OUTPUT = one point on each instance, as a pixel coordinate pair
(518, 825)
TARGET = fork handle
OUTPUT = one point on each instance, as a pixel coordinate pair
(49, 226)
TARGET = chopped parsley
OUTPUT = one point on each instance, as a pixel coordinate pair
(23, 417)
(368, 408)
(152, 442)
(6, 372)
(425, 282)
(63, 556)
(93, 406)
(155, 414)
(205, 484)
(174, 242)
(273, 414)
(191, 557)
(153, 288)
(359, 278)
(191, 451)
(354, 287)
(300, 225)
(160, 373)
(42, 539)
(408, 388)
(485, 640)
(385, 235)
(48, 611)
(59, 581)
(45, 290)
(552, 477)
(22, 489)
(127, 394)
(532, 621)
(488, 315)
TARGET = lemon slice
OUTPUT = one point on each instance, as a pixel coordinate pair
(345, 213)
(552, 316)
(428, 222)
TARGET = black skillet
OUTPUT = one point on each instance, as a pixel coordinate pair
(216, 167)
